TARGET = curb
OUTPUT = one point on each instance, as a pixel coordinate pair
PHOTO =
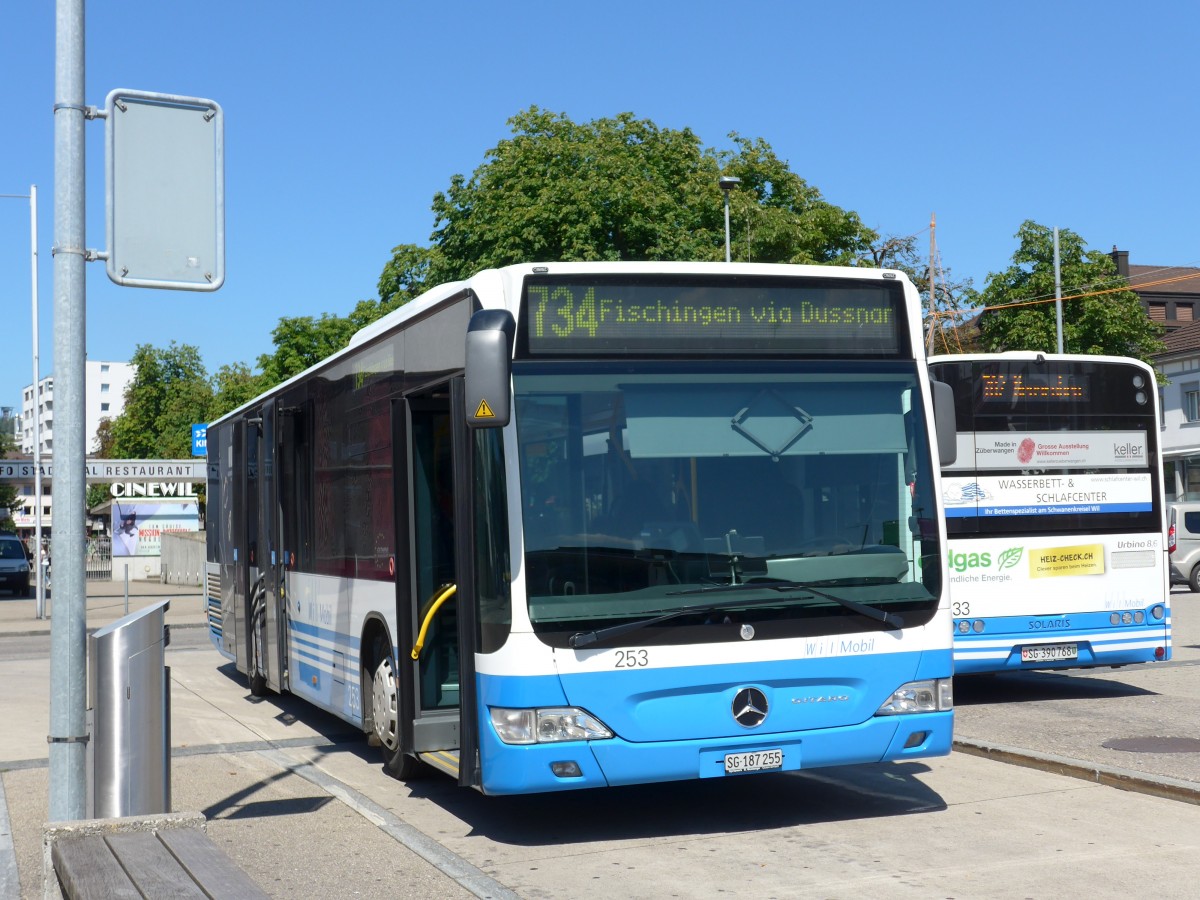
(1122, 779)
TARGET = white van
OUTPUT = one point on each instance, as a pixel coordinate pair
(1183, 542)
(14, 565)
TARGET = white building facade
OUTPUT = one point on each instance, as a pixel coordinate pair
(104, 398)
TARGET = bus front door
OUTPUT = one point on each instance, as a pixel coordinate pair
(435, 445)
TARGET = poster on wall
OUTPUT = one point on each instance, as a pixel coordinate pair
(137, 528)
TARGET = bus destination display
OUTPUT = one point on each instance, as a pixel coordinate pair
(1018, 387)
(743, 316)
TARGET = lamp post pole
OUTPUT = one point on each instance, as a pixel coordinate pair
(37, 436)
(728, 183)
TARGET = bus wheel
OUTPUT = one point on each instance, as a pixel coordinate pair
(1194, 580)
(385, 714)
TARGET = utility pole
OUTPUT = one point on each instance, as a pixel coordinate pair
(933, 317)
(1058, 293)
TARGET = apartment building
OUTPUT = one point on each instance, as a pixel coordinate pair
(104, 397)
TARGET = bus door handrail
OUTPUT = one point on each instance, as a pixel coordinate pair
(447, 591)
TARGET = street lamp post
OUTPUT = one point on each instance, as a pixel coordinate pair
(728, 183)
(37, 437)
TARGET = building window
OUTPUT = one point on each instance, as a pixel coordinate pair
(104, 388)
(1158, 312)
(1191, 401)
(1183, 312)
(103, 407)
(103, 367)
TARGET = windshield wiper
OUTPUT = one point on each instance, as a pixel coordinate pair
(584, 638)
(889, 620)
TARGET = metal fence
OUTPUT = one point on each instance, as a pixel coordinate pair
(99, 558)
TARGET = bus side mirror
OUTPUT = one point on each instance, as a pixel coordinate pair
(944, 420)
(489, 368)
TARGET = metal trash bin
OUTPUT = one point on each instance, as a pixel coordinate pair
(129, 717)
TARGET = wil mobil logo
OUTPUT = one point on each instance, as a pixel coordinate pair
(962, 562)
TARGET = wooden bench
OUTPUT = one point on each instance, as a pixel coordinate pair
(157, 862)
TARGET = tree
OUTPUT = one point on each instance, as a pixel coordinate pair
(102, 449)
(404, 276)
(622, 189)
(1100, 315)
(301, 341)
(233, 385)
(169, 393)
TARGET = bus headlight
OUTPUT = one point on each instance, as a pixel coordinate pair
(935, 695)
(544, 726)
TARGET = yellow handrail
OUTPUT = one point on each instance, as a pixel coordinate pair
(446, 594)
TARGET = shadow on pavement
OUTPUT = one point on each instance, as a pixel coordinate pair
(706, 806)
(1023, 687)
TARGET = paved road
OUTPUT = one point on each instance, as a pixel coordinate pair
(1143, 719)
(306, 810)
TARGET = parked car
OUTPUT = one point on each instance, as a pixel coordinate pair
(14, 565)
(1183, 542)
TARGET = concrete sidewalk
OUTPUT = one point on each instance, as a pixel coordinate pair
(106, 603)
(240, 761)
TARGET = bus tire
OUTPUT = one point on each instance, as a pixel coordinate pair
(385, 714)
(1194, 580)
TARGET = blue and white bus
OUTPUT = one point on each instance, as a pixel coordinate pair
(573, 525)
(1055, 513)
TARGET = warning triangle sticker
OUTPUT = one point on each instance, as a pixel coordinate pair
(484, 411)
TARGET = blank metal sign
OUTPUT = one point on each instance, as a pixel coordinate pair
(165, 194)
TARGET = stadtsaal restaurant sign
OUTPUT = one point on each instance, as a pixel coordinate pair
(105, 470)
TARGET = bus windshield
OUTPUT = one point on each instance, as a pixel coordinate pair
(643, 485)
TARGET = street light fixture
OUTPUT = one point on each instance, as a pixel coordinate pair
(727, 183)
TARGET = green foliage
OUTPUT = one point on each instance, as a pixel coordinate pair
(233, 385)
(169, 393)
(301, 341)
(97, 494)
(404, 276)
(625, 189)
(1107, 323)
(9, 498)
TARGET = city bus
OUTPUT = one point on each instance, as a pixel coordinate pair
(1055, 512)
(576, 525)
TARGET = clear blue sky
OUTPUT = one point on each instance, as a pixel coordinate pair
(343, 120)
